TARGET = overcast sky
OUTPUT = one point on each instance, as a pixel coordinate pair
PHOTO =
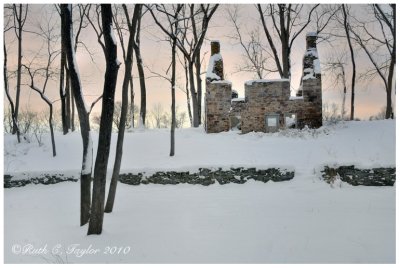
(370, 95)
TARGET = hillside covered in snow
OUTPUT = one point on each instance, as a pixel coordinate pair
(303, 220)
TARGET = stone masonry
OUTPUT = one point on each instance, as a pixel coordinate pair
(267, 106)
(218, 94)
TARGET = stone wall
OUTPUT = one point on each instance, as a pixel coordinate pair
(217, 106)
(264, 98)
(356, 176)
(204, 177)
(311, 113)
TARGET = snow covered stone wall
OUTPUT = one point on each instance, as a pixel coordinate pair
(218, 94)
(215, 69)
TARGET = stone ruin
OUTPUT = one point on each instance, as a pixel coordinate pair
(268, 105)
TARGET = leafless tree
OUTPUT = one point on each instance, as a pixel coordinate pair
(128, 59)
(256, 56)
(288, 21)
(20, 13)
(66, 98)
(86, 170)
(335, 69)
(14, 121)
(139, 64)
(380, 47)
(46, 31)
(171, 30)
(193, 27)
(110, 81)
(352, 56)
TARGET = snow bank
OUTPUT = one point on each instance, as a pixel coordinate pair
(364, 143)
(299, 221)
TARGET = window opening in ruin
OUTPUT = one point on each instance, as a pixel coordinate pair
(291, 120)
(272, 122)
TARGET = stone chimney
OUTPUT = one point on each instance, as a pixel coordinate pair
(309, 66)
(311, 40)
(215, 47)
(215, 71)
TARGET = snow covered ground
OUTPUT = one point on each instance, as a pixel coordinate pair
(299, 221)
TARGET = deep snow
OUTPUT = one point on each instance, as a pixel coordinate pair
(304, 220)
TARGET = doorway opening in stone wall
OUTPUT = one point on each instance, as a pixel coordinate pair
(272, 122)
(290, 120)
(236, 122)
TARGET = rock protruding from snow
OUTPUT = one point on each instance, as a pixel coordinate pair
(215, 70)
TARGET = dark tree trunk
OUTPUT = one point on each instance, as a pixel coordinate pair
(142, 79)
(199, 86)
(64, 119)
(124, 110)
(67, 98)
(173, 116)
(389, 108)
(284, 42)
(73, 112)
(353, 62)
(20, 22)
(187, 93)
(14, 121)
(270, 41)
(86, 171)
(132, 108)
(50, 120)
(110, 81)
(194, 95)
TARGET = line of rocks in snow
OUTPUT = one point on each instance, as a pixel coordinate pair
(204, 177)
(349, 174)
(207, 176)
(355, 176)
(45, 179)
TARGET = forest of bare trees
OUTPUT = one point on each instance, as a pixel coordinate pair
(367, 51)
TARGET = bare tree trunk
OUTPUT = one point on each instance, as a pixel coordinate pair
(62, 92)
(50, 104)
(187, 92)
(20, 22)
(124, 109)
(199, 85)
(344, 91)
(86, 170)
(67, 97)
(142, 79)
(284, 42)
(110, 81)
(173, 119)
(14, 121)
(389, 108)
(194, 95)
(353, 62)
(132, 108)
(73, 112)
